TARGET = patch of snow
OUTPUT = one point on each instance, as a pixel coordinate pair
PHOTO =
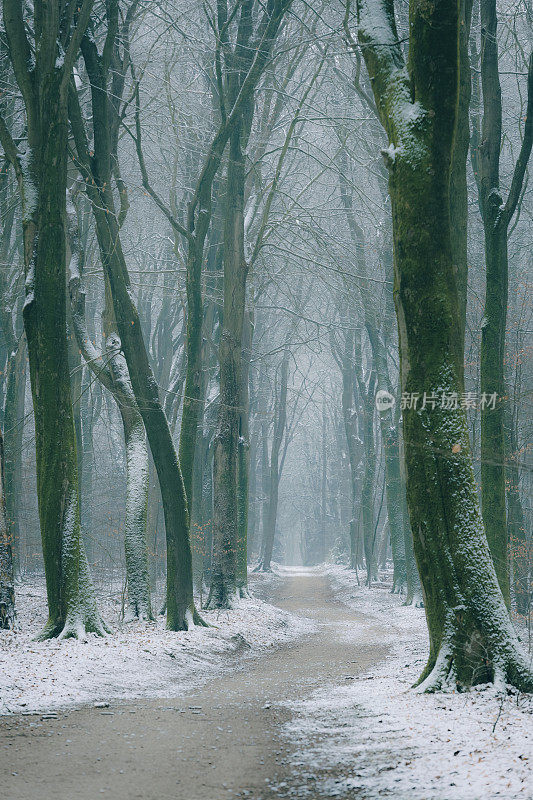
(390, 152)
(386, 740)
(139, 659)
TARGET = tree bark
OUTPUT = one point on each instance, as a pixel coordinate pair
(280, 421)
(42, 178)
(226, 451)
(7, 581)
(13, 433)
(388, 427)
(471, 637)
(243, 463)
(181, 612)
(352, 440)
(112, 372)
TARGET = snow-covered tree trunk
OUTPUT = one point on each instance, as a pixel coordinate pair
(112, 373)
(472, 639)
(135, 545)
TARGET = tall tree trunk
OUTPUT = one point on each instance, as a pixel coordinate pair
(88, 419)
(471, 637)
(243, 464)
(226, 451)
(280, 420)
(323, 490)
(13, 433)
(252, 492)
(388, 428)
(521, 545)
(71, 604)
(112, 373)
(265, 486)
(350, 428)
(192, 396)
(495, 311)
(7, 581)
(496, 216)
(458, 183)
(366, 393)
(42, 178)
(181, 612)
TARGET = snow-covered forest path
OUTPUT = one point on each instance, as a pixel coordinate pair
(223, 740)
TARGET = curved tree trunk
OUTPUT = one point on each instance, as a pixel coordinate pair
(181, 612)
(112, 373)
(135, 544)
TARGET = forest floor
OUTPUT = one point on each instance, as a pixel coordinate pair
(324, 714)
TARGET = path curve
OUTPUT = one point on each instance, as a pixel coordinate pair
(221, 741)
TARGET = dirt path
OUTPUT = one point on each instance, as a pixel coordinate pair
(221, 741)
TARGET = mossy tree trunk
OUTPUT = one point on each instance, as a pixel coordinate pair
(471, 636)
(42, 178)
(496, 216)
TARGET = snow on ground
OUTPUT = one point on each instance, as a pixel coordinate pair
(139, 659)
(389, 741)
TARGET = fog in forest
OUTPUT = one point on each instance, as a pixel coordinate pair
(266, 395)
